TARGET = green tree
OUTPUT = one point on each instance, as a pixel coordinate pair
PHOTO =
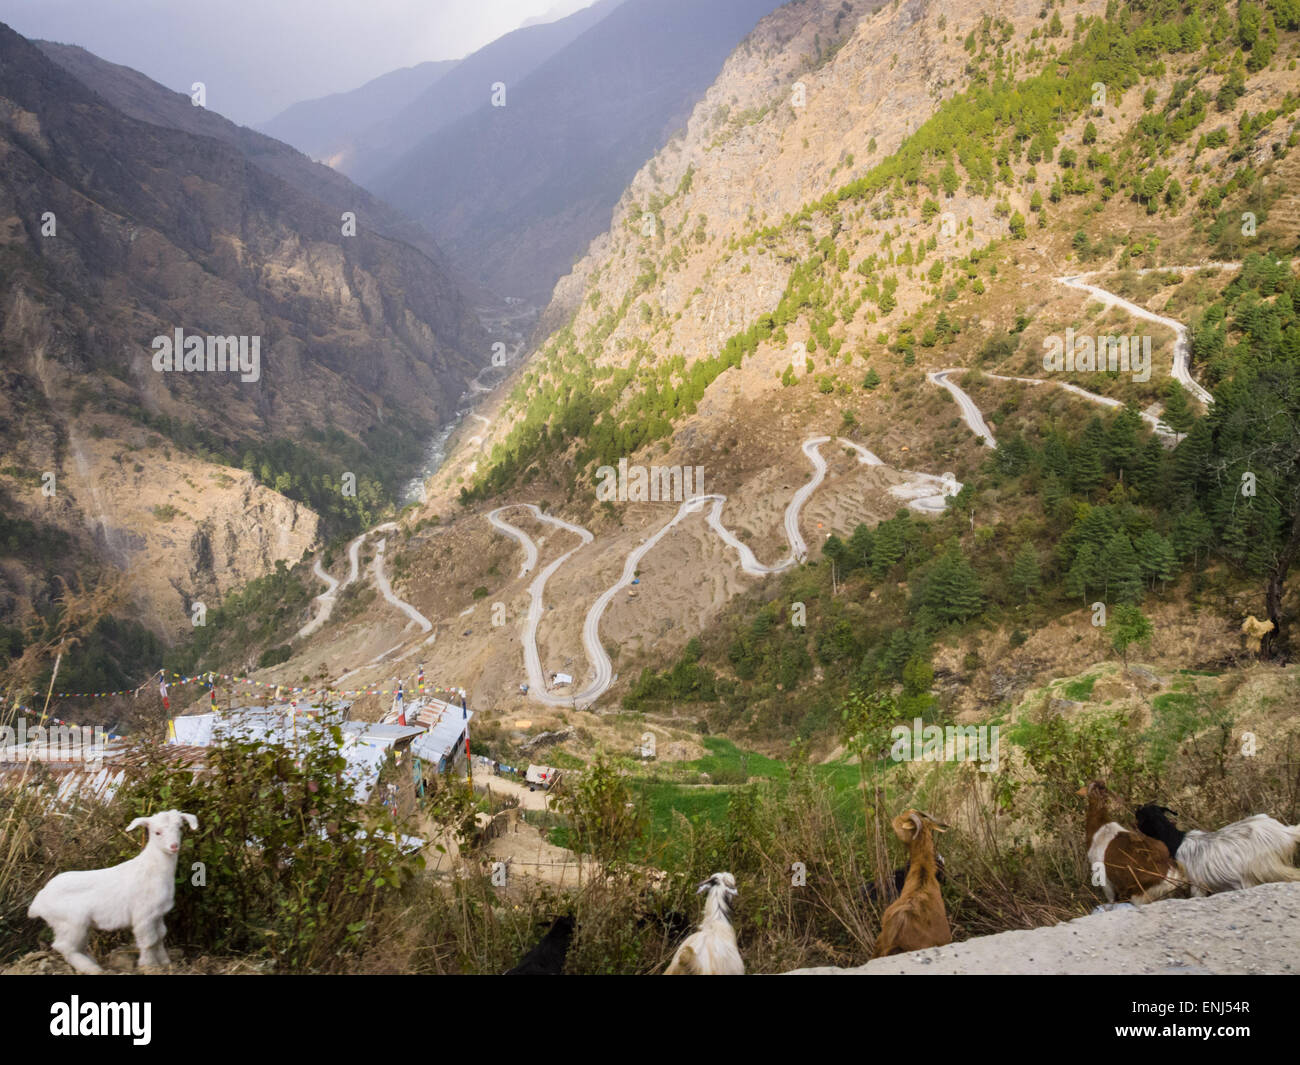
(1254, 434)
(951, 589)
(1178, 414)
(601, 811)
(1082, 574)
(948, 178)
(1127, 625)
(1025, 574)
(1156, 558)
(1123, 572)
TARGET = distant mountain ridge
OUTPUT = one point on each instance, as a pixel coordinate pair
(328, 127)
(515, 193)
(140, 97)
(400, 123)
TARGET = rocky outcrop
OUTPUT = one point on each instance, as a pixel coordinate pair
(1235, 932)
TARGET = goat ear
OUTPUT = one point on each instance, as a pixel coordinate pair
(192, 821)
(137, 823)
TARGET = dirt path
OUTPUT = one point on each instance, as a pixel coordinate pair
(925, 491)
(1182, 345)
(529, 800)
(969, 412)
(326, 600)
(1236, 932)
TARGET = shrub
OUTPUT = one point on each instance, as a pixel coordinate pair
(287, 864)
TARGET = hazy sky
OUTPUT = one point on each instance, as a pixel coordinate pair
(257, 57)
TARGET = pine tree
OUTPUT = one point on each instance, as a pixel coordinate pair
(1147, 475)
(1086, 470)
(1156, 558)
(952, 590)
(1178, 413)
(1053, 493)
(1192, 460)
(1123, 573)
(1127, 625)
(886, 549)
(859, 553)
(1081, 573)
(1025, 574)
(1056, 456)
(1192, 535)
(1121, 447)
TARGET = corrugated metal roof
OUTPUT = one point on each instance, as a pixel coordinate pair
(388, 733)
(444, 734)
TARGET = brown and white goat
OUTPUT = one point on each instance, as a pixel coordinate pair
(1128, 866)
(917, 918)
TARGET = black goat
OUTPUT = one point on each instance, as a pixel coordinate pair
(1152, 821)
(550, 954)
(547, 958)
(871, 892)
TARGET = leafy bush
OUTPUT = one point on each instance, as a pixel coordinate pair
(286, 864)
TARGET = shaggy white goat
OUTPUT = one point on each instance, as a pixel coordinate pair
(712, 950)
(135, 895)
(1256, 850)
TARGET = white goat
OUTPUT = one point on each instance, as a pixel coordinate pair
(1256, 850)
(712, 950)
(135, 894)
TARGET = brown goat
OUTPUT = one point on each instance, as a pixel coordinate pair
(916, 919)
(1128, 866)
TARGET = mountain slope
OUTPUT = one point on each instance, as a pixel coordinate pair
(140, 97)
(509, 59)
(818, 269)
(329, 127)
(118, 231)
(515, 192)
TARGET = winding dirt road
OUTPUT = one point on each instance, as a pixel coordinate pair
(970, 413)
(924, 492)
(923, 495)
(1182, 345)
(326, 600)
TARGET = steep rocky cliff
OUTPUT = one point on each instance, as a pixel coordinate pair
(115, 231)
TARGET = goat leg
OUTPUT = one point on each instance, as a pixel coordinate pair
(149, 938)
(71, 943)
